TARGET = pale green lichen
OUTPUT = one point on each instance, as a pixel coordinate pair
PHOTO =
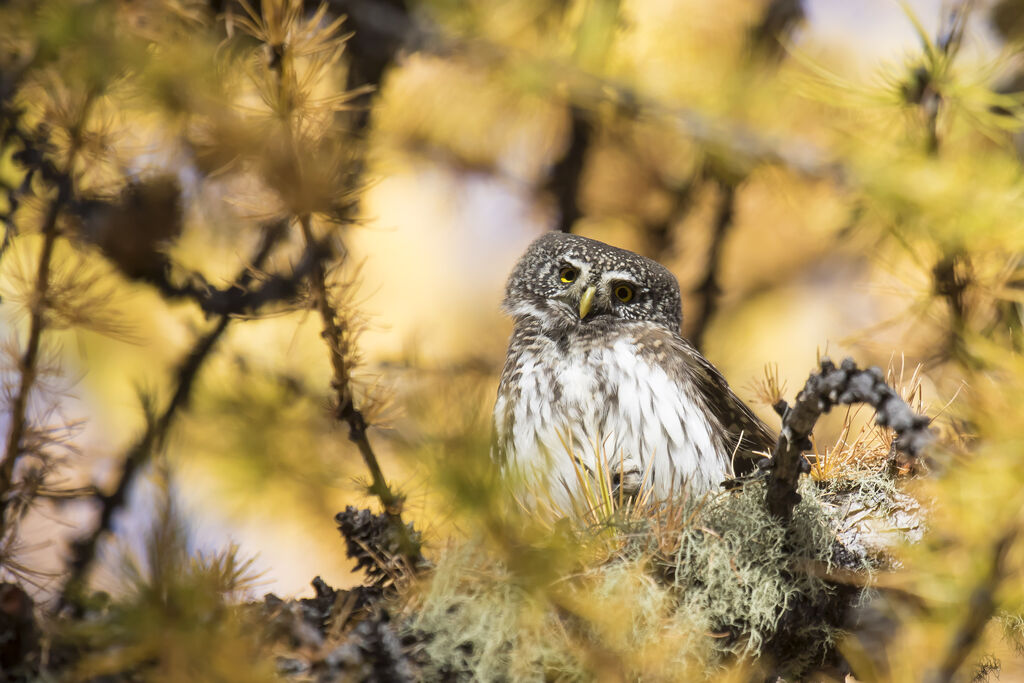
(744, 572)
(1013, 630)
(737, 585)
(477, 622)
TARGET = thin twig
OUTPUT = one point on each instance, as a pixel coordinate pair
(27, 366)
(927, 79)
(338, 340)
(84, 550)
(829, 387)
(951, 277)
(38, 305)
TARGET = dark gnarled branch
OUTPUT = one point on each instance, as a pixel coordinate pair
(829, 387)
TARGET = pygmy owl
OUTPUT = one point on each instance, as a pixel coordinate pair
(597, 375)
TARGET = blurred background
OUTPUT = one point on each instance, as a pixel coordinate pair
(823, 177)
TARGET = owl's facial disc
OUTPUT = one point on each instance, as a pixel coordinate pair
(593, 294)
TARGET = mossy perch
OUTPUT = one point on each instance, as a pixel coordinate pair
(831, 386)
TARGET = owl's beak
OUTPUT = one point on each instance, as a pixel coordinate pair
(586, 301)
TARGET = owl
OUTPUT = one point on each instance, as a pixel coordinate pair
(598, 376)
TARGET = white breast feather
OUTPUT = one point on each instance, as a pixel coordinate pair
(650, 423)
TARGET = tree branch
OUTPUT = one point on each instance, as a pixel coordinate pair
(824, 390)
(708, 289)
(238, 299)
(34, 157)
(338, 342)
(564, 181)
(27, 365)
(380, 28)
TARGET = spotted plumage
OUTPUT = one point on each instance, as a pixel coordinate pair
(597, 372)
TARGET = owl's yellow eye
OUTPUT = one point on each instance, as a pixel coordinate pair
(623, 293)
(568, 274)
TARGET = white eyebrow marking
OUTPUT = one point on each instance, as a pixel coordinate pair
(622, 275)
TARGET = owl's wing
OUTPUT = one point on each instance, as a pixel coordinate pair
(748, 437)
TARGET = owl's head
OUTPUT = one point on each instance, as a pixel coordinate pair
(567, 280)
